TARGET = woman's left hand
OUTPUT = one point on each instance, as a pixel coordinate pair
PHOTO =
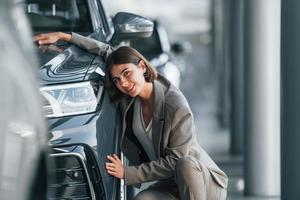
(50, 38)
(115, 166)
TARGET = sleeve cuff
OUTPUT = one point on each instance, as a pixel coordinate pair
(130, 173)
(75, 38)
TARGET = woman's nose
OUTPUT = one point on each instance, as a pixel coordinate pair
(123, 82)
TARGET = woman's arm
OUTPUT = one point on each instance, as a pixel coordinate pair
(50, 38)
(178, 146)
(89, 44)
(163, 168)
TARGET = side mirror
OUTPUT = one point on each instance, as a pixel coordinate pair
(130, 26)
(181, 47)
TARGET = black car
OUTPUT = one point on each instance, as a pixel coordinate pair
(83, 124)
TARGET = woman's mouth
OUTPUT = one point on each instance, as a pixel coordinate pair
(131, 89)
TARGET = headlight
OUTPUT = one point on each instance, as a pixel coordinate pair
(71, 99)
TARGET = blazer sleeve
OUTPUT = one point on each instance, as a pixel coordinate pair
(91, 45)
(178, 146)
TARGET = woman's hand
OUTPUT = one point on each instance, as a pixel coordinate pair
(115, 166)
(50, 38)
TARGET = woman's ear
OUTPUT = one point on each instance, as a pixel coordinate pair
(143, 65)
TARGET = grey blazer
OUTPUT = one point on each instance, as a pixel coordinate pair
(173, 130)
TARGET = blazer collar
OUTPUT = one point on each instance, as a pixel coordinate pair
(159, 99)
(158, 114)
(125, 104)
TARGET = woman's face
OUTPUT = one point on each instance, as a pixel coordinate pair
(129, 78)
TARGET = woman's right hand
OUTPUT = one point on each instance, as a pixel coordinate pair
(50, 38)
(115, 166)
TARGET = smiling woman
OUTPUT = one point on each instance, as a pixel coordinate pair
(124, 77)
(158, 122)
(129, 74)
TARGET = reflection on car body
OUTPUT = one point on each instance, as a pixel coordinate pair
(83, 124)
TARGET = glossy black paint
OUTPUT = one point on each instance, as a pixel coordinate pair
(128, 25)
(96, 139)
(66, 63)
(95, 132)
(90, 136)
(82, 142)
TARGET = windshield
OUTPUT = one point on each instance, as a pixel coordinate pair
(59, 15)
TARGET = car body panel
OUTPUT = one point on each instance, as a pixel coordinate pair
(81, 142)
(70, 65)
(92, 132)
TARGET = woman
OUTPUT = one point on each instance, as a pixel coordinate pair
(158, 134)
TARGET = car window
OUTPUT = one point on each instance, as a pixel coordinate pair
(58, 15)
(150, 47)
(105, 18)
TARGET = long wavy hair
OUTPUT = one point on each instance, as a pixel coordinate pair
(124, 55)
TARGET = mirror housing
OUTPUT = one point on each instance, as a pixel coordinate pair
(130, 26)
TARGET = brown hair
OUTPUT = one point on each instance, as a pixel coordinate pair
(124, 55)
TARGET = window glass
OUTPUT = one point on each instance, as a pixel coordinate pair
(150, 47)
(58, 15)
(106, 19)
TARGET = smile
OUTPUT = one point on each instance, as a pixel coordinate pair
(131, 89)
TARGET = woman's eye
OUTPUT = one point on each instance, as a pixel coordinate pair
(115, 80)
(126, 73)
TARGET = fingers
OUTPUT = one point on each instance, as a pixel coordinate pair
(36, 38)
(46, 38)
(115, 174)
(41, 42)
(110, 164)
(111, 168)
(116, 157)
(114, 167)
(113, 158)
(41, 37)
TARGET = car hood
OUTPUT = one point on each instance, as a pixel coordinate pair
(63, 64)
